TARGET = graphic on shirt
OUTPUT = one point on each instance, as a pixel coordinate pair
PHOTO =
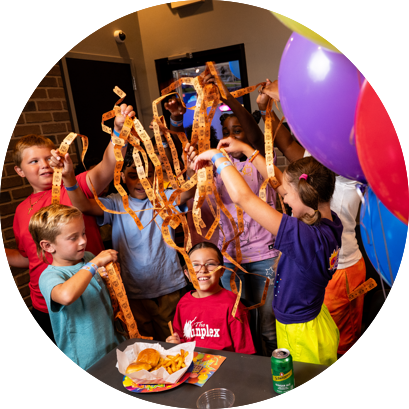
(247, 170)
(199, 329)
(333, 260)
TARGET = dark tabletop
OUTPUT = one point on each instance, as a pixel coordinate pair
(247, 376)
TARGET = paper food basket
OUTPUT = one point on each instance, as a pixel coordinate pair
(160, 376)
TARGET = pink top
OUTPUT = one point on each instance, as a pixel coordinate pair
(256, 242)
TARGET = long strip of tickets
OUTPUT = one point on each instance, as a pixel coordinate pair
(208, 96)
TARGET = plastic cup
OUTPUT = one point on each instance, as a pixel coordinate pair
(216, 398)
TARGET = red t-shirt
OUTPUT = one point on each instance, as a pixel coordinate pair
(27, 247)
(209, 322)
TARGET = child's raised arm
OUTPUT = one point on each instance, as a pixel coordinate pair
(241, 194)
(190, 165)
(103, 173)
(247, 122)
(72, 289)
(283, 140)
(176, 110)
(77, 196)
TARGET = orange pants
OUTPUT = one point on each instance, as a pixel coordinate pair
(346, 314)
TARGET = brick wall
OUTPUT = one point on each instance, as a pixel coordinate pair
(45, 113)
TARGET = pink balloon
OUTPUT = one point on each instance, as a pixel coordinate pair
(380, 153)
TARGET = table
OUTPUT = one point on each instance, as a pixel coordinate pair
(247, 376)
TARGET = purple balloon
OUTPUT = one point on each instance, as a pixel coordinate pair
(318, 92)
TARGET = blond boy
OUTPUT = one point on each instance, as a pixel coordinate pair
(77, 298)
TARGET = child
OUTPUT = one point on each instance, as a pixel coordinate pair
(205, 315)
(150, 269)
(351, 266)
(309, 243)
(77, 299)
(257, 244)
(32, 157)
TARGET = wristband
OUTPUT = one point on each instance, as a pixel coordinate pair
(222, 166)
(91, 267)
(117, 135)
(176, 124)
(217, 156)
(253, 156)
(263, 112)
(71, 188)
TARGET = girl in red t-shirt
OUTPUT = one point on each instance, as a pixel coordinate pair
(205, 315)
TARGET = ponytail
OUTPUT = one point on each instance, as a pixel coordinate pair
(314, 183)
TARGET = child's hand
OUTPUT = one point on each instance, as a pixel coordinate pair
(105, 257)
(174, 106)
(173, 339)
(126, 110)
(64, 162)
(271, 89)
(262, 99)
(161, 133)
(191, 155)
(233, 145)
(209, 79)
(204, 158)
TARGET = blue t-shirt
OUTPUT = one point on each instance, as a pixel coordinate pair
(149, 267)
(308, 261)
(84, 330)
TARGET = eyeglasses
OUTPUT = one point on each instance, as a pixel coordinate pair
(208, 266)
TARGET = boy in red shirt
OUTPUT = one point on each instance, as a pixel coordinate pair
(32, 157)
(205, 315)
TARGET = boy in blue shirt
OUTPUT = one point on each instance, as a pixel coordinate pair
(77, 299)
(151, 272)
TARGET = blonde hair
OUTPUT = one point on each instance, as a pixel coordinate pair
(47, 222)
(29, 141)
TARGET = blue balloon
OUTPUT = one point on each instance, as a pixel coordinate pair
(235, 68)
(379, 226)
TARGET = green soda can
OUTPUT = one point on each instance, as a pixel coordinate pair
(282, 370)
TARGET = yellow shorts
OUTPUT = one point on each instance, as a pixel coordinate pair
(315, 341)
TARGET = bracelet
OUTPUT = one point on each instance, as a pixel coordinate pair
(222, 166)
(176, 124)
(91, 267)
(253, 156)
(117, 135)
(263, 112)
(71, 188)
(217, 156)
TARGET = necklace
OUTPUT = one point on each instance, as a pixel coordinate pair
(32, 204)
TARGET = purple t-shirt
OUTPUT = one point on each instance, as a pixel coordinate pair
(308, 261)
(256, 242)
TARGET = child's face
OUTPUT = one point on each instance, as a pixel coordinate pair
(233, 128)
(131, 179)
(69, 246)
(209, 283)
(292, 198)
(35, 166)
